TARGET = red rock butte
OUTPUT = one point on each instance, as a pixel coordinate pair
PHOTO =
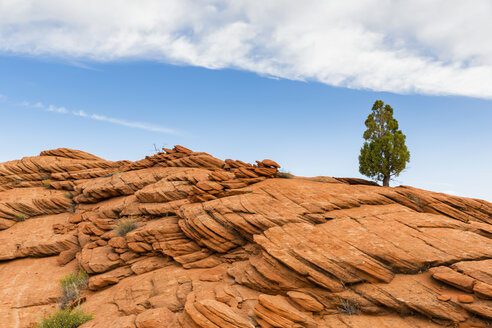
(228, 244)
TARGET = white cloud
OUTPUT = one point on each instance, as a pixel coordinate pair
(97, 117)
(28, 104)
(80, 113)
(138, 125)
(61, 110)
(422, 46)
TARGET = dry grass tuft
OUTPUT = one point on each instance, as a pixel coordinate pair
(71, 286)
(285, 175)
(124, 226)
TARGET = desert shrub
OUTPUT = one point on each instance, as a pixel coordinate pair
(17, 181)
(71, 286)
(415, 199)
(349, 307)
(285, 175)
(115, 172)
(124, 226)
(324, 179)
(47, 184)
(65, 319)
(68, 195)
(19, 217)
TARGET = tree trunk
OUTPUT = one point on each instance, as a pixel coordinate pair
(386, 181)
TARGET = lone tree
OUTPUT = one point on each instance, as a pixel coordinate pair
(384, 153)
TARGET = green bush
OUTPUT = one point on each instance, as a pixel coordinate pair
(19, 217)
(124, 226)
(68, 195)
(71, 285)
(65, 319)
(46, 184)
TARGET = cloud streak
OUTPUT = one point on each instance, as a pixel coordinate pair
(97, 117)
(136, 125)
(423, 46)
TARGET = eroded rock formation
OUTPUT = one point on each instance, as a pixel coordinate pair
(226, 244)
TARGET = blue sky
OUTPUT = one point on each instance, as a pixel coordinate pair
(310, 128)
(250, 82)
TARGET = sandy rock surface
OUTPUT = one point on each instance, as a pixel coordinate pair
(227, 244)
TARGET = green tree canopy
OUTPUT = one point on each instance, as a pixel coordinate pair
(384, 153)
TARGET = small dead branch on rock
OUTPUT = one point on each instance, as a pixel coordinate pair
(349, 307)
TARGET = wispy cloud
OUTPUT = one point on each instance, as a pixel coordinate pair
(421, 46)
(97, 117)
(137, 125)
(61, 110)
(80, 113)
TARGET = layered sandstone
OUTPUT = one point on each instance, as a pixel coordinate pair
(227, 244)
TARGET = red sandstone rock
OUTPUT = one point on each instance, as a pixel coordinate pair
(444, 298)
(77, 218)
(306, 301)
(270, 163)
(156, 318)
(220, 244)
(483, 290)
(453, 278)
(465, 299)
(181, 149)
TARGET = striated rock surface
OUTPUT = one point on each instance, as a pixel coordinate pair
(219, 243)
